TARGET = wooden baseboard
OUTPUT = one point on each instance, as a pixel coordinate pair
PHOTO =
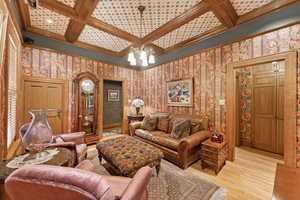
(113, 125)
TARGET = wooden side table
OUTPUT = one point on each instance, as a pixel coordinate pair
(213, 155)
(132, 118)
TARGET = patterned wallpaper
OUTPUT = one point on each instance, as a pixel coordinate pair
(51, 64)
(245, 86)
(208, 69)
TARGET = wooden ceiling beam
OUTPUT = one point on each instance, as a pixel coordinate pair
(84, 9)
(224, 11)
(197, 38)
(194, 12)
(61, 38)
(268, 8)
(94, 22)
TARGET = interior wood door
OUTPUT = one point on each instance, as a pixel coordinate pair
(47, 96)
(264, 103)
(268, 103)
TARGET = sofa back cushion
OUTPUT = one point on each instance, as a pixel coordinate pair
(149, 123)
(197, 123)
(163, 123)
(181, 128)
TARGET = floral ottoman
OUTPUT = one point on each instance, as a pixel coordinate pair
(125, 155)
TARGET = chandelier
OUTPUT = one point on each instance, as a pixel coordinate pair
(141, 55)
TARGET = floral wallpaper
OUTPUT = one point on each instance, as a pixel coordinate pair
(208, 70)
(245, 90)
(49, 64)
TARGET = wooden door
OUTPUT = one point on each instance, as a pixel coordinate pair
(47, 96)
(268, 104)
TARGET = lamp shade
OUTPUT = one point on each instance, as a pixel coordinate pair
(137, 102)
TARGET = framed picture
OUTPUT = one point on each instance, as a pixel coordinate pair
(180, 93)
(113, 95)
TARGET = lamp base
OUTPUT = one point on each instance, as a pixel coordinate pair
(137, 110)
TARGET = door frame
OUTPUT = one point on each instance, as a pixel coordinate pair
(290, 102)
(65, 103)
(124, 103)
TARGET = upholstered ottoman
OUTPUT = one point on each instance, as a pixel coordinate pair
(125, 155)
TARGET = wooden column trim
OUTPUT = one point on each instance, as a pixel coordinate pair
(290, 106)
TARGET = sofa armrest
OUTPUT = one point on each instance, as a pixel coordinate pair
(133, 126)
(194, 139)
(77, 137)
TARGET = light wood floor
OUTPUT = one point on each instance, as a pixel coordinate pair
(250, 177)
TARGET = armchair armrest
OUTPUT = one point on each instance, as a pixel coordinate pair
(77, 137)
(133, 126)
(63, 144)
(194, 139)
(138, 185)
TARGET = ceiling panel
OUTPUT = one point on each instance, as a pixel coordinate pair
(191, 29)
(245, 6)
(125, 15)
(48, 20)
(102, 39)
(70, 3)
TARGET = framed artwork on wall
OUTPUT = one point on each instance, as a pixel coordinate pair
(113, 95)
(180, 92)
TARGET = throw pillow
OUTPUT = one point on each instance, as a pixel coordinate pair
(163, 124)
(196, 125)
(171, 121)
(181, 128)
(149, 123)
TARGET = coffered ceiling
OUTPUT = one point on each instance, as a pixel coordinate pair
(112, 26)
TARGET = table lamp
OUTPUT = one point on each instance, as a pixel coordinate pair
(137, 103)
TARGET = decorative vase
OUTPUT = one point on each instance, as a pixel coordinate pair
(37, 134)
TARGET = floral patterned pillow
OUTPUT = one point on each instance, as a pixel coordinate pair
(149, 123)
(181, 128)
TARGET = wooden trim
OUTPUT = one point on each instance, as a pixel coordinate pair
(290, 98)
(224, 11)
(266, 9)
(197, 38)
(84, 9)
(112, 125)
(14, 20)
(70, 12)
(194, 12)
(61, 38)
(124, 102)
(65, 106)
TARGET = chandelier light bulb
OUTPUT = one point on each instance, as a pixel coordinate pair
(143, 55)
(151, 59)
(145, 63)
(131, 57)
(133, 62)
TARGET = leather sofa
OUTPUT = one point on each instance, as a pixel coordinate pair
(45, 182)
(182, 152)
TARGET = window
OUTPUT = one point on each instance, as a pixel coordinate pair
(12, 91)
